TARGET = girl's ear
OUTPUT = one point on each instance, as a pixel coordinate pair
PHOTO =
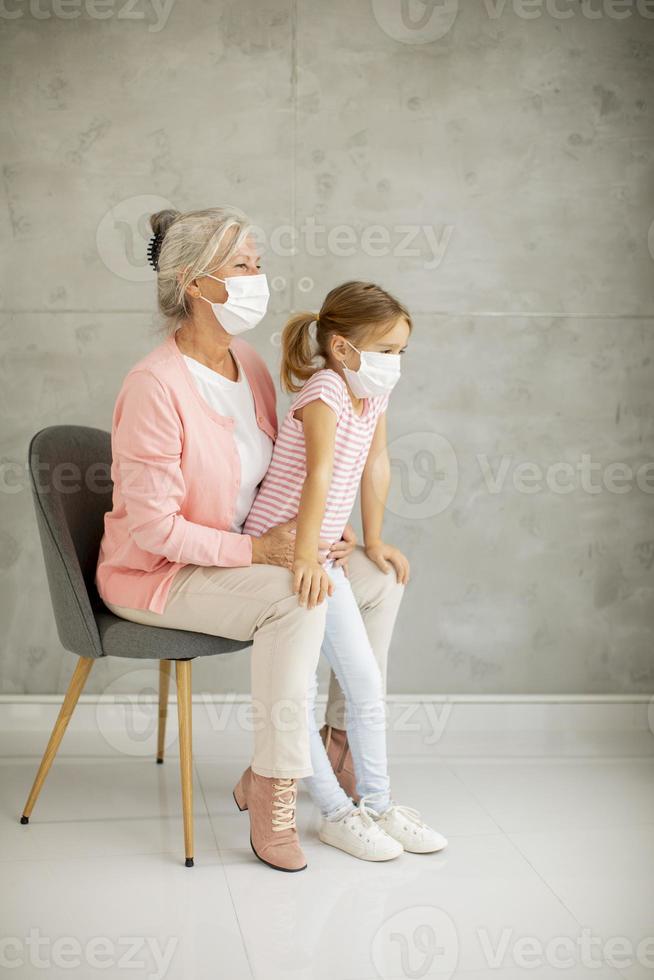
(339, 347)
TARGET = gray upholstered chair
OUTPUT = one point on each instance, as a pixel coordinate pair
(70, 473)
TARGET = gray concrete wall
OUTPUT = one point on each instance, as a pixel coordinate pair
(491, 164)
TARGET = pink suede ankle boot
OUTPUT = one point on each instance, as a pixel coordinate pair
(270, 802)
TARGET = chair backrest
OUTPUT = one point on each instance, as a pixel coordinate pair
(70, 473)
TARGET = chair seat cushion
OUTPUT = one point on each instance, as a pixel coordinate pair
(122, 638)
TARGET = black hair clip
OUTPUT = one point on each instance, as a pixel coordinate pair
(154, 248)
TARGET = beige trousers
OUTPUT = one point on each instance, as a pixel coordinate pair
(257, 603)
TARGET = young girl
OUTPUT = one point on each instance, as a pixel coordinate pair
(332, 440)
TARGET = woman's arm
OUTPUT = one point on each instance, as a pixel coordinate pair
(375, 484)
(147, 446)
(319, 424)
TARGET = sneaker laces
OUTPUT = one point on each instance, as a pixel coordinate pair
(408, 813)
(361, 823)
(367, 812)
(283, 804)
(362, 816)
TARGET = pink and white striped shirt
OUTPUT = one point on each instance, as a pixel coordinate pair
(278, 499)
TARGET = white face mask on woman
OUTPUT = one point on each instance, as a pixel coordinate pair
(377, 374)
(247, 302)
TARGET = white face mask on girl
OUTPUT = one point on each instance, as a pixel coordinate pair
(247, 302)
(377, 374)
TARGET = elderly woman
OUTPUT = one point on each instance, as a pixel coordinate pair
(192, 435)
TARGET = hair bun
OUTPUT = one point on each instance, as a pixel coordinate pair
(161, 221)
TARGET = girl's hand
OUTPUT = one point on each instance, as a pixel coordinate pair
(385, 556)
(341, 550)
(311, 582)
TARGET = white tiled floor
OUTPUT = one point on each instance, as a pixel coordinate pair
(542, 851)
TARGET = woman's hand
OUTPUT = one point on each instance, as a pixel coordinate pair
(341, 550)
(311, 581)
(385, 556)
(277, 546)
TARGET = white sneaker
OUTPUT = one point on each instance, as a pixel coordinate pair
(403, 824)
(358, 834)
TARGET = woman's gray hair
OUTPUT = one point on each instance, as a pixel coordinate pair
(194, 243)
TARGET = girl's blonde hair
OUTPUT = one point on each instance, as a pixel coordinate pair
(359, 311)
(194, 243)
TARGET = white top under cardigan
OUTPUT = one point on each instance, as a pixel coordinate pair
(234, 398)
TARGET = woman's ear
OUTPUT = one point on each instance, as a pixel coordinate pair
(192, 288)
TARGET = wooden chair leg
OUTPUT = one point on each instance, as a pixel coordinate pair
(71, 697)
(183, 677)
(164, 686)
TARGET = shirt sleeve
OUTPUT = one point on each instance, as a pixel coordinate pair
(146, 446)
(326, 386)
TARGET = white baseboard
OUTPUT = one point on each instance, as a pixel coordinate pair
(451, 725)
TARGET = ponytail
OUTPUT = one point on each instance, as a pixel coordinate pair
(297, 353)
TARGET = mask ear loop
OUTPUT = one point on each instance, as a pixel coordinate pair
(353, 348)
(207, 275)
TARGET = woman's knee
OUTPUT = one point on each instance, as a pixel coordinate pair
(370, 583)
(389, 587)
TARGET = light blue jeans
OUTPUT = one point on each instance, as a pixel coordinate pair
(349, 654)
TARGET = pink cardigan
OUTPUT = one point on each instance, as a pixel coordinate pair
(176, 474)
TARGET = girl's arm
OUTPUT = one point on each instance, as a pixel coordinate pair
(310, 579)
(375, 484)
